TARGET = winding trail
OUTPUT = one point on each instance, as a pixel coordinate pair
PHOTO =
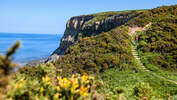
(135, 54)
(132, 32)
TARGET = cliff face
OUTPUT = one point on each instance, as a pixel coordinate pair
(73, 27)
(89, 25)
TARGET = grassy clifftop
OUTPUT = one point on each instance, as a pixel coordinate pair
(104, 15)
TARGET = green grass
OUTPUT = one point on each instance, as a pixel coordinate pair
(106, 13)
(100, 16)
(126, 81)
(162, 72)
(103, 15)
(115, 80)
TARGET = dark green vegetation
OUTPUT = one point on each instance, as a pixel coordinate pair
(108, 57)
(96, 54)
(135, 85)
(165, 13)
(157, 46)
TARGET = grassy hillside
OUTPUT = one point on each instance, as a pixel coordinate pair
(103, 66)
(96, 54)
(157, 46)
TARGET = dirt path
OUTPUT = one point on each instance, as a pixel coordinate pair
(132, 30)
(135, 53)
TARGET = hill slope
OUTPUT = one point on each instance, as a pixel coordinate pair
(99, 45)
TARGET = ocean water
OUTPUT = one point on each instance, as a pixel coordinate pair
(34, 46)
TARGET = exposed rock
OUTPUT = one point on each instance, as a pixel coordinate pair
(73, 27)
(80, 24)
(52, 58)
(42, 61)
(37, 62)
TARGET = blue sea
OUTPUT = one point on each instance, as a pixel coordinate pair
(34, 46)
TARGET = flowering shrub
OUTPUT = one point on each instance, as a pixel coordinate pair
(75, 87)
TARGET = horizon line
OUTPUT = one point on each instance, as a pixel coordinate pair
(27, 33)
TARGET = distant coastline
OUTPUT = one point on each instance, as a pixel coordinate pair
(29, 33)
(34, 46)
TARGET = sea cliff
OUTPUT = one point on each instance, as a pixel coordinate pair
(90, 25)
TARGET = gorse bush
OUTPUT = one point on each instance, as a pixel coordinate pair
(161, 38)
(98, 53)
(75, 87)
(143, 91)
(154, 15)
(6, 67)
(5, 61)
(39, 71)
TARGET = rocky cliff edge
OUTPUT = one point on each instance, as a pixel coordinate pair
(90, 25)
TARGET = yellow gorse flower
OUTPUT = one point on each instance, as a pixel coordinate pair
(74, 85)
(22, 80)
(57, 95)
(83, 91)
(20, 84)
(59, 78)
(41, 89)
(64, 83)
(84, 77)
(57, 88)
(47, 80)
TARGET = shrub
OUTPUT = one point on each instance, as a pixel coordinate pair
(160, 38)
(142, 44)
(39, 71)
(143, 90)
(75, 87)
(97, 53)
(6, 68)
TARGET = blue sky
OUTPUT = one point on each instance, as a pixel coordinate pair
(50, 16)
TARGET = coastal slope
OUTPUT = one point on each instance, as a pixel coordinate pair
(102, 45)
